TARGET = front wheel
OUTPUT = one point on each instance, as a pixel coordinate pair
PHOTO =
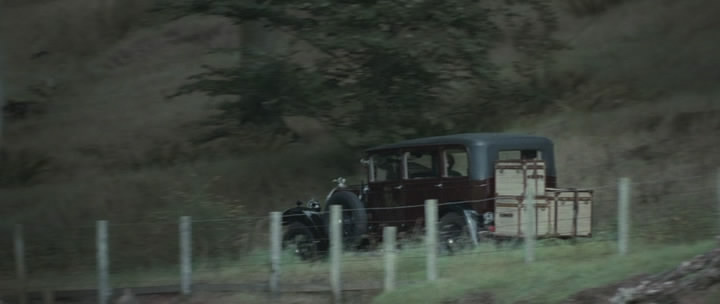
(354, 217)
(300, 240)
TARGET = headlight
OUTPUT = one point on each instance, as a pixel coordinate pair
(313, 204)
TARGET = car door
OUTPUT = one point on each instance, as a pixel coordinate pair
(423, 181)
(456, 184)
(386, 190)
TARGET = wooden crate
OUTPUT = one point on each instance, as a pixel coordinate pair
(543, 217)
(513, 177)
(573, 211)
(507, 216)
(511, 216)
(535, 176)
(509, 178)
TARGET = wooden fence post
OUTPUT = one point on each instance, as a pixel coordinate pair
(530, 229)
(717, 193)
(48, 296)
(431, 237)
(185, 255)
(623, 215)
(336, 252)
(275, 249)
(389, 235)
(103, 263)
(20, 268)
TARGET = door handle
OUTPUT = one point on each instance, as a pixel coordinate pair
(439, 185)
(398, 187)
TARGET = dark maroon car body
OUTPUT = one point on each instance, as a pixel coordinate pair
(402, 175)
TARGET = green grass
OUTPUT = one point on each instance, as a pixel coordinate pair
(557, 273)
(561, 269)
(252, 267)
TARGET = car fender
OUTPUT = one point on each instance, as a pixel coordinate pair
(472, 218)
(309, 217)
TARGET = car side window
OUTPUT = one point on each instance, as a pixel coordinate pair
(387, 167)
(422, 164)
(456, 163)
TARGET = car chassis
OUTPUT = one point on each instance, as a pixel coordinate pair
(479, 180)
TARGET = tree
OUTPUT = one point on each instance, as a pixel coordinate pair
(387, 65)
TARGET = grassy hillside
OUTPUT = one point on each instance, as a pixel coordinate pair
(638, 100)
(643, 103)
(105, 118)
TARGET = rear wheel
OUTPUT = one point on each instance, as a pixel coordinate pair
(453, 232)
(300, 240)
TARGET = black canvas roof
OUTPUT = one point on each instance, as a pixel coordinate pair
(467, 139)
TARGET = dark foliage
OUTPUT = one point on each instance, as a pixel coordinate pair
(590, 7)
(387, 66)
(20, 168)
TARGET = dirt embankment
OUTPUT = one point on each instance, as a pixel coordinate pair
(696, 281)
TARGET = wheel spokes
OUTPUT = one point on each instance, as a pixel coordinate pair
(454, 237)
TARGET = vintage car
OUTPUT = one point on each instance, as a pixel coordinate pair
(479, 179)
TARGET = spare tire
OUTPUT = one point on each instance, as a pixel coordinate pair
(354, 216)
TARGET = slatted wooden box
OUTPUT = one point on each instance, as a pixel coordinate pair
(572, 211)
(511, 216)
(513, 177)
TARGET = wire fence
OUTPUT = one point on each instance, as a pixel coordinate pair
(238, 250)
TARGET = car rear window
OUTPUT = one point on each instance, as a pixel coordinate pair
(520, 155)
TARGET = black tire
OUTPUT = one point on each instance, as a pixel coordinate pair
(354, 217)
(453, 233)
(300, 240)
